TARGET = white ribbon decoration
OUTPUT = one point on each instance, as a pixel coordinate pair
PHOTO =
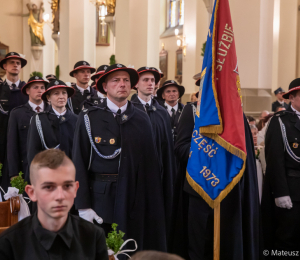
(24, 209)
(123, 252)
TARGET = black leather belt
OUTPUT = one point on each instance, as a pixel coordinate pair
(293, 173)
(104, 177)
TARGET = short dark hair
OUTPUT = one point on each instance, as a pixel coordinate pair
(250, 118)
(52, 158)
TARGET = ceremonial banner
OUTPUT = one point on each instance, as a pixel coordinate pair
(218, 150)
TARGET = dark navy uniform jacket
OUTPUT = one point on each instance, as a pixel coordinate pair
(277, 104)
(57, 131)
(136, 200)
(240, 218)
(282, 176)
(78, 99)
(174, 123)
(9, 100)
(18, 126)
(161, 126)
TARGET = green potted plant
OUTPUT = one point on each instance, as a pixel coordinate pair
(36, 73)
(112, 60)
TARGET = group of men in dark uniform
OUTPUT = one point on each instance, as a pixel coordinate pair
(131, 156)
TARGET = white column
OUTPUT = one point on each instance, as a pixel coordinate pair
(122, 32)
(265, 44)
(77, 35)
(287, 43)
(190, 32)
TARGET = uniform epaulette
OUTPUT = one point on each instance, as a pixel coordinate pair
(283, 113)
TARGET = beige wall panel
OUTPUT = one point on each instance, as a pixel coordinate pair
(245, 17)
(287, 43)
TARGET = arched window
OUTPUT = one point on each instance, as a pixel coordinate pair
(175, 12)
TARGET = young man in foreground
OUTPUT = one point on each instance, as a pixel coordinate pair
(52, 233)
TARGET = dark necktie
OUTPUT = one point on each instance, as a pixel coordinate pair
(118, 116)
(147, 108)
(38, 109)
(13, 87)
(173, 117)
(86, 92)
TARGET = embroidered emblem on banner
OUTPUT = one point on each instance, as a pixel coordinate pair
(97, 140)
(112, 141)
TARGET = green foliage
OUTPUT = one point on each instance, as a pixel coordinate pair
(1, 165)
(36, 73)
(112, 60)
(19, 183)
(57, 72)
(114, 239)
(203, 49)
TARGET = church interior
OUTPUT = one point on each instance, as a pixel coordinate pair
(166, 34)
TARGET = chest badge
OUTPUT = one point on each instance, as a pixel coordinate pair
(124, 117)
(295, 145)
(97, 140)
(112, 141)
(153, 108)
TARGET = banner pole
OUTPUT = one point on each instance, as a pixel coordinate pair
(217, 211)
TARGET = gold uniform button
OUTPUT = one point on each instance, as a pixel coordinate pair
(112, 141)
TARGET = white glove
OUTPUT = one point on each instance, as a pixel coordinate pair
(284, 202)
(90, 215)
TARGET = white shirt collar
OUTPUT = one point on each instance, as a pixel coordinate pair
(281, 102)
(10, 83)
(144, 102)
(114, 108)
(33, 106)
(169, 107)
(58, 114)
(82, 89)
(297, 112)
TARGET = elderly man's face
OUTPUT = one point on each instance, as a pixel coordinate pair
(171, 94)
(117, 85)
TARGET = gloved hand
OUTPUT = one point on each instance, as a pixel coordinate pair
(284, 202)
(90, 215)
